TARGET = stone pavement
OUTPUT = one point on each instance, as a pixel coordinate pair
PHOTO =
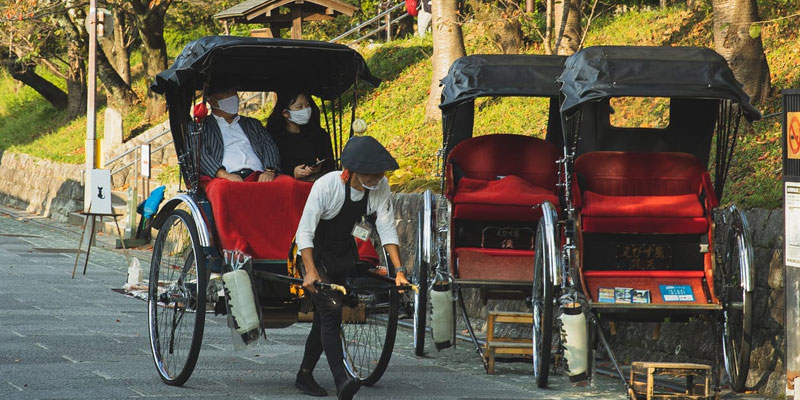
(63, 338)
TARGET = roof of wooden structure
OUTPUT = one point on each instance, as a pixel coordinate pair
(265, 11)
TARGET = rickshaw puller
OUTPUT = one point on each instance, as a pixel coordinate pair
(334, 214)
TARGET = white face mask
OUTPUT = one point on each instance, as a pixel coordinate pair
(229, 105)
(366, 186)
(300, 117)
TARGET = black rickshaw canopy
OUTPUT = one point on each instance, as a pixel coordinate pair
(326, 70)
(601, 72)
(487, 75)
(496, 75)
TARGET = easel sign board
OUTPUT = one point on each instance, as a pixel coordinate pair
(100, 188)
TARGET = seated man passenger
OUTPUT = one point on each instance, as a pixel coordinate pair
(234, 146)
(305, 147)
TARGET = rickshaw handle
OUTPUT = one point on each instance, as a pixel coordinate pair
(387, 279)
(299, 281)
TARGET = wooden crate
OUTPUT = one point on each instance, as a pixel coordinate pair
(506, 345)
(698, 380)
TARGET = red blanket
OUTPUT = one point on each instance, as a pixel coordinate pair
(261, 218)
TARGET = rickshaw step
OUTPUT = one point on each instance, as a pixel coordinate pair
(506, 345)
(645, 389)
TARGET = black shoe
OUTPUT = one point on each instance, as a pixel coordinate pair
(306, 383)
(347, 388)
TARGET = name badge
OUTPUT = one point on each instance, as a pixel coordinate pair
(362, 230)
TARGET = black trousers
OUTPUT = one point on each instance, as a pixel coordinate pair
(325, 335)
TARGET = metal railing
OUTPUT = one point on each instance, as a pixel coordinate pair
(387, 26)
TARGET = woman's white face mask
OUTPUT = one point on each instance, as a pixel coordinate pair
(365, 186)
(300, 117)
(229, 105)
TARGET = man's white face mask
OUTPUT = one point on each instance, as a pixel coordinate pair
(229, 105)
(367, 186)
(300, 117)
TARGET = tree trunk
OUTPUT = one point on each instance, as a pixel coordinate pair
(76, 81)
(120, 94)
(568, 22)
(116, 48)
(150, 24)
(25, 72)
(448, 45)
(548, 30)
(745, 55)
(72, 21)
(529, 6)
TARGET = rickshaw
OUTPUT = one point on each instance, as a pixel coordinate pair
(479, 232)
(638, 235)
(249, 226)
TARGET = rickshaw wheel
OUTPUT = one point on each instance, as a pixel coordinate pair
(369, 328)
(542, 295)
(420, 278)
(176, 298)
(737, 301)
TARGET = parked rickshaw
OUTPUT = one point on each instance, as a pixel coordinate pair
(198, 229)
(479, 233)
(640, 236)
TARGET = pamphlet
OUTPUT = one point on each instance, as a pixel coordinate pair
(676, 292)
(605, 295)
(623, 295)
(641, 296)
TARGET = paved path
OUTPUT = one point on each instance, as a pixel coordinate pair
(63, 338)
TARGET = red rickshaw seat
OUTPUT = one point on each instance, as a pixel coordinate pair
(642, 192)
(504, 176)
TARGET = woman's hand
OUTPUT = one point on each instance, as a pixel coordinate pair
(266, 176)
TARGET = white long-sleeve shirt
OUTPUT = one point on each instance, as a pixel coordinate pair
(326, 200)
(238, 153)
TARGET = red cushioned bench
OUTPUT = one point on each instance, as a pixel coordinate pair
(648, 194)
(644, 193)
(496, 180)
(504, 176)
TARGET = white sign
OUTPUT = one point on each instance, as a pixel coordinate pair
(145, 160)
(792, 223)
(100, 189)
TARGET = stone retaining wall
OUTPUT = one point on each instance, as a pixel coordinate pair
(40, 186)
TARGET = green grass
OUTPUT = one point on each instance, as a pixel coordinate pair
(395, 110)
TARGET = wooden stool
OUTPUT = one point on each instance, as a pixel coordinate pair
(690, 371)
(506, 345)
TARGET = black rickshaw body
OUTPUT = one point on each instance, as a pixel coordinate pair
(486, 239)
(643, 238)
(479, 232)
(195, 231)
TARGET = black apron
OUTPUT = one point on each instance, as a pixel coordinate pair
(335, 250)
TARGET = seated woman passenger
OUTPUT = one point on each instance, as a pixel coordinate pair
(234, 146)
(305, 147)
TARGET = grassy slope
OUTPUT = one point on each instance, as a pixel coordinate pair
(395, 110)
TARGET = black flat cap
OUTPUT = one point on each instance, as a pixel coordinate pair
(367, 155)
